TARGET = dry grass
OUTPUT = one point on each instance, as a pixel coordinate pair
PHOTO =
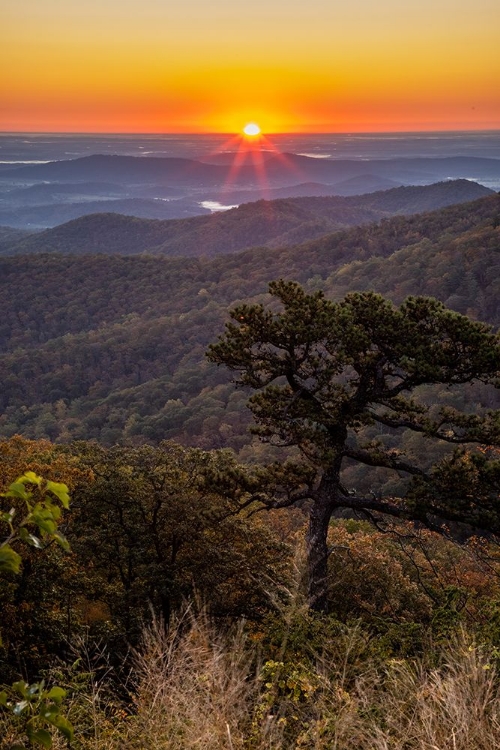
(193, 688)
(196, 689)
(455, 707)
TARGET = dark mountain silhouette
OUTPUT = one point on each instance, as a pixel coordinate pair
(408, 170)
(284, 169)
(129, 169)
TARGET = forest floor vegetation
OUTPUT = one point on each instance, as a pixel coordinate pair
(197, 685)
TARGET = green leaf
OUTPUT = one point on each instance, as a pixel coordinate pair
(8, 517)
(56, 694)
(56, 512)
(34, 541)
(29, 477)
(60, 491)
(19, 707)
(61, 723)
(49, 712)
(61, 540)
(21, 688)
(35, 689)
(44, 521)
(17, 489)
(30, 539)
(41, 736)
(9, 559)
(3, 698)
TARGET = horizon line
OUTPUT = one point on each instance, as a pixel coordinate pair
(232, 133)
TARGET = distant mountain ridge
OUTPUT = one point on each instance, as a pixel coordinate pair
(282, 169)
(122, 168)
(264, 223)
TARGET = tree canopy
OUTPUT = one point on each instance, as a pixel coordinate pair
(327, 374)
(116, 353)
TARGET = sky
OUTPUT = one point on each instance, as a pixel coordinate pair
(213, 65)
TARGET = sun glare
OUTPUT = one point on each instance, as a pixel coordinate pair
(251, 129)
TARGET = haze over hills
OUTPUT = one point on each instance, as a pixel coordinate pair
(359, 185)
(271, 224)
(46, 205)
(283, 168)
(122, 168)
(112, 348)
(38, 217)
(34, 195)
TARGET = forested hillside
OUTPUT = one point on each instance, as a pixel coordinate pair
(10, 237)
(263, 223)
(113, 348)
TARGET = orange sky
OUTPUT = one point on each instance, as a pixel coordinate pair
(198, 66)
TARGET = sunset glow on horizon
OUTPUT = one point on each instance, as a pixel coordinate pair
(105, 66)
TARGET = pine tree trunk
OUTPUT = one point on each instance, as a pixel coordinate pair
(325, 502)
(317, 556)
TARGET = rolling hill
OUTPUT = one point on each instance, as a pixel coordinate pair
(112, 347)
(264, 223)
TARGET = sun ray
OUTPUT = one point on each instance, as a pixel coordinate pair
(251, 155)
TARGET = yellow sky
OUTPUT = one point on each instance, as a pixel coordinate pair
(194, 65)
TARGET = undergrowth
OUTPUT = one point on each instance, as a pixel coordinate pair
(195, 686)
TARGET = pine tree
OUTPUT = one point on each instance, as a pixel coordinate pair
(325, 372)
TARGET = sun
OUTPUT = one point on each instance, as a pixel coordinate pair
(251, 130)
